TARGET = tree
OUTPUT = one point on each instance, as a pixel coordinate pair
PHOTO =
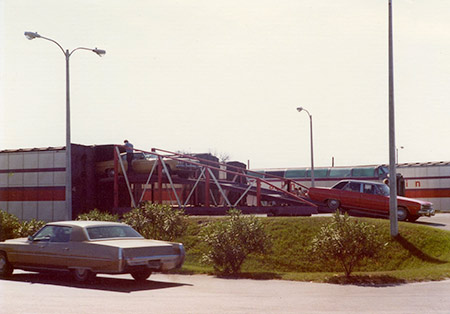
(347, 242)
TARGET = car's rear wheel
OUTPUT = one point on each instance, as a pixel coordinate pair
(82, 274)
(333, 204)
(402, 214)
(6, 269)
(141, 275)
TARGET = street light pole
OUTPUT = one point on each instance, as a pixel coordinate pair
(67, 54)
(299, 109)
(68, 143)
(392, 160)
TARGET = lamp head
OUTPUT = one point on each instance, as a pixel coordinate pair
(31, 35)
(299, 109)
(100, 52)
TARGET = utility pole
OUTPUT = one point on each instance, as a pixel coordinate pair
(392, 167)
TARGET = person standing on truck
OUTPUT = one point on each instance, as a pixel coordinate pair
(129, 149)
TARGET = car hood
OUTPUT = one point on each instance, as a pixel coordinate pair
(132, 243)
(414, 200)
(18, 240)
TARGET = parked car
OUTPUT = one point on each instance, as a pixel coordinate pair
(143, 164)
(86, 248)
(368, 197)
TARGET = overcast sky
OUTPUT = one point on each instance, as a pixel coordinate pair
(227, 76)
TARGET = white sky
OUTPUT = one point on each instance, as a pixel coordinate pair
(226, 77)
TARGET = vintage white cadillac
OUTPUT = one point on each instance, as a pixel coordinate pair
(87, 248)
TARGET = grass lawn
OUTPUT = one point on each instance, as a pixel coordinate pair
(419, 253)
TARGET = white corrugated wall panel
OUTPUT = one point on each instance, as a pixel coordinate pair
(30, 210)
(15, 179)
(4, 161)
(15, 161)
(46, 159)
(30, 179)
(60, 159)
(16, 209)
(45, 210)
(31, 160)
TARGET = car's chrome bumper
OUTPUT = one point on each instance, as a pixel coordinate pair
(160, 262)
(427, 212)
(164, 262)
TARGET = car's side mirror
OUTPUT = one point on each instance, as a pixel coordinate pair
(30, 238)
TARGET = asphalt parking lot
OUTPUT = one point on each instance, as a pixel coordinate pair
(36, 293)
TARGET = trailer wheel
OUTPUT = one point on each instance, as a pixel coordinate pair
(333, 204)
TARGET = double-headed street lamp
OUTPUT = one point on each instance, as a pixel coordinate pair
(299, 109)
(67, 54)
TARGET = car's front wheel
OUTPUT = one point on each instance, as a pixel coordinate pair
(141, 275)
(333, 204)
(82, 274)
(402, 214)
(6, 269)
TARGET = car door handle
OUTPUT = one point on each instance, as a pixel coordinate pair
(65, 249)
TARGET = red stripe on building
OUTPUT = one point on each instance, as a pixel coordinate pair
(32, 170)
(427, 193)
(23, 194)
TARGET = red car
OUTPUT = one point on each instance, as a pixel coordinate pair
(366, 197)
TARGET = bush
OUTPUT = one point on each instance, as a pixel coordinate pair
(157, 221)
(9, 225)
(230, 241)
(98, 215)
(346, 242)
(28, 228)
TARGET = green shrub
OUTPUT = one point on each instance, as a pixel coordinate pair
(98, 215)
(230, 241)
(9, 225)
(346, 242)
(28, 228)
(157, 221)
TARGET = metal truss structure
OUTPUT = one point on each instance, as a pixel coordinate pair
(209, 187)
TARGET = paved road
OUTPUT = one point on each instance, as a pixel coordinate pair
(34, 293)
(441, 221)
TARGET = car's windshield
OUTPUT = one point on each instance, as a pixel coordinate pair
(383, 189)
(110, 232)
(53, 234)
(339, 185)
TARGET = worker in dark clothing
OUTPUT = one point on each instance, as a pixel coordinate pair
(129, 149)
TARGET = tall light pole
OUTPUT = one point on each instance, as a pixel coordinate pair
(392, 168)
(67, 54)
(299, 109)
